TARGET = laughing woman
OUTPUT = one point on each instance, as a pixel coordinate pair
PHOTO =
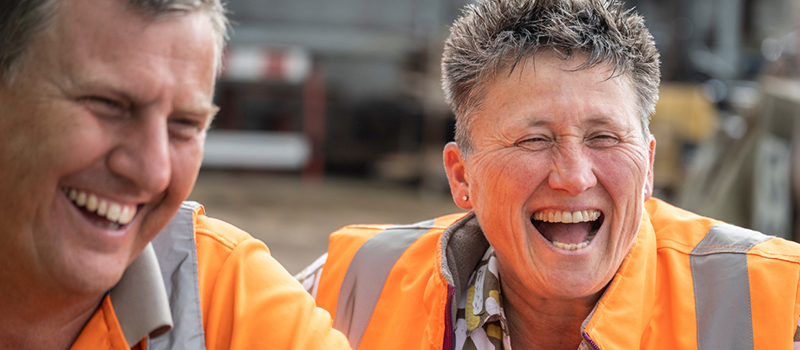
(563, 248)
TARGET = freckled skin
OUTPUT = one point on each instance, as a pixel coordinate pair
(108, 102)
(546, 137)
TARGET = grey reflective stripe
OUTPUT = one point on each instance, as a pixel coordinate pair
(722, 287)
(366, 275)
(177, 256)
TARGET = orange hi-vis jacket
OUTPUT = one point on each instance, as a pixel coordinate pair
(204, 284)
(689, 282)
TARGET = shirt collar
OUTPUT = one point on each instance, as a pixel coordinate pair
(140, 299)
(484, 302)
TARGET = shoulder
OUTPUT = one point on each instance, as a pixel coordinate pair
(217, 232)
(413, 247)
(347, 240)
(681, 230)
(242, 284)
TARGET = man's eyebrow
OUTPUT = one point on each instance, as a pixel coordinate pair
(209, 110)
(100, 84)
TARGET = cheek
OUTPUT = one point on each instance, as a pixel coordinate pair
(623, 174)
(508, 179)
(186, 159)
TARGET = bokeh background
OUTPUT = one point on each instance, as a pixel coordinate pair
(332, 114)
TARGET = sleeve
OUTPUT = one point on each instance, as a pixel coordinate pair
(252, 302)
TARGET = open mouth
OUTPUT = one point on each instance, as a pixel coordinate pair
(568, 230)
(105, 213)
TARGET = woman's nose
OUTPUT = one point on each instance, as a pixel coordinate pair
(572, 171)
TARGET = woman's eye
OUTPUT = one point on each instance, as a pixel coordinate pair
(535, 143)
(602, 140)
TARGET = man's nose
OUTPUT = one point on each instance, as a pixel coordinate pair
(142, 155)
(572, 171)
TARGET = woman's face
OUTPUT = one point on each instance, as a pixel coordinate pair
(557, 174)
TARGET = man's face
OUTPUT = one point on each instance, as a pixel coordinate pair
(102, 138)
(550, 142)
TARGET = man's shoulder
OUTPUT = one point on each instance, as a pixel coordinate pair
(219, 231)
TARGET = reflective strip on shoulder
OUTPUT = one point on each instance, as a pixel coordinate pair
(177, 256)
(366, 275)
(722, 287)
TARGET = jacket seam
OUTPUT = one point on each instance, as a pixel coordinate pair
(391, 226)
(790, 258)
(219, 238)
(673, 241)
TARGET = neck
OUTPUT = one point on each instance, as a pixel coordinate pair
(544, 323)
(41, 316)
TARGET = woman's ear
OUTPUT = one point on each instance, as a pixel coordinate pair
(457, 175)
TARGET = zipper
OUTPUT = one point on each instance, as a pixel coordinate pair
(448, 343)
(586, 336)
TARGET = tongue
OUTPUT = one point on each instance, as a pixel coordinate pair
(564, 233)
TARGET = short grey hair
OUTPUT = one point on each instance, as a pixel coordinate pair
(493, 35)
(22, 20)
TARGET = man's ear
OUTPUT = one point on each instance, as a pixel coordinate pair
(649, 181)
(457, 175)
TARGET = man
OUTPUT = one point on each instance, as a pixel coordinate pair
(564, 248)
(105, 105)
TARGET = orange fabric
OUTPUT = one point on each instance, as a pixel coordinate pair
(648, 305)
(247, 298)
(102, 331)
(344, 243)
(775, 318)
(415, 296)
(410, 278)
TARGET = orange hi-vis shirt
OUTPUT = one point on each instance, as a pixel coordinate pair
(676, 288)
(247, 300)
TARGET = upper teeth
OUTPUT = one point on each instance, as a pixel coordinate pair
(566, 217)
(113, 211)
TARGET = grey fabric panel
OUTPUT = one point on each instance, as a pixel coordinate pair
(464, 245)
(366, 275)
(722, 287)
(726, 238)
(177, 256)
(140, 299)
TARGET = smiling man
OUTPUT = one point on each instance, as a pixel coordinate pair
(564, 247)
(105, 106)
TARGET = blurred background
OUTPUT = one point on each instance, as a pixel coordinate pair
(332, 114)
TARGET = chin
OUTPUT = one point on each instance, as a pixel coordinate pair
(93, 273)
(575, 286)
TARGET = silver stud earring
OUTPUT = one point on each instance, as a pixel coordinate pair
(465, 198)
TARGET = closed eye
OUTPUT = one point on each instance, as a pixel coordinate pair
(535, 143)
(602, 140)
(186, 127)
(104, 107)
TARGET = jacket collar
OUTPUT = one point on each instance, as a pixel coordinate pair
(628, 300)
(622, 314)
(140, 299)
(463, 244)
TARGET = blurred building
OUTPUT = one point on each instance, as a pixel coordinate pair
(352, 86)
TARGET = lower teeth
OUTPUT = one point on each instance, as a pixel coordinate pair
(573, 246)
